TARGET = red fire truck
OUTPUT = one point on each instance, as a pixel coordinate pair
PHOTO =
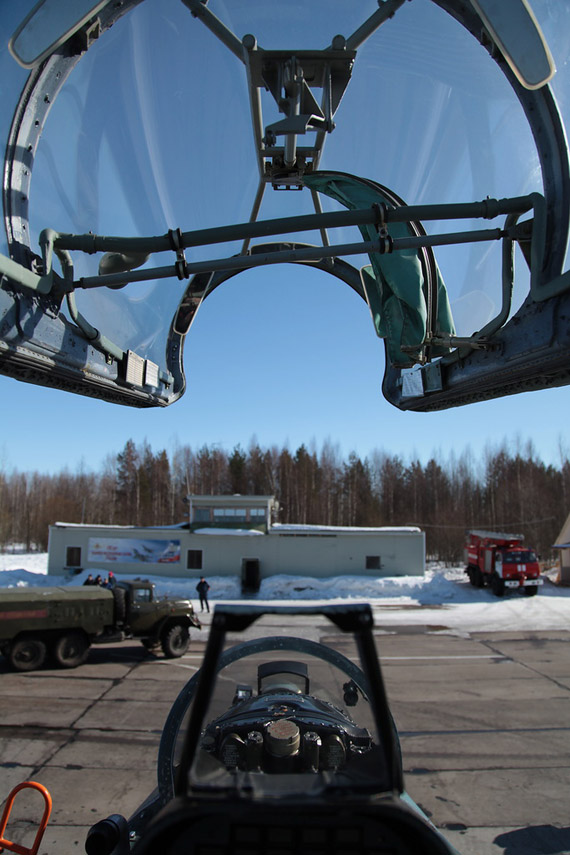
(501, 561)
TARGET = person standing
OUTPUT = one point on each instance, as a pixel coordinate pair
(202, 587)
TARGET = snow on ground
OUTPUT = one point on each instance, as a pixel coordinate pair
(442, 598)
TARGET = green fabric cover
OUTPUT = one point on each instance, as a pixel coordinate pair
(393, 283)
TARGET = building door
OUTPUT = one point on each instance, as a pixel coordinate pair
(250, 575)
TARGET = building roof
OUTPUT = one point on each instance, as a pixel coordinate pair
(107, 526)
(233, 500)
(297, 528)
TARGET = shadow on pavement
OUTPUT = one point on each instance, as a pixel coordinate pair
(535, 840)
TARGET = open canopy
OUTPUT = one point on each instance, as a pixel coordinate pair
(415, 150)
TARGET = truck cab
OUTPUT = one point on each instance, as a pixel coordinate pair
(156, 620)
(141, 606)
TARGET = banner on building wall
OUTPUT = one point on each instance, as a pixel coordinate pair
(131, 550)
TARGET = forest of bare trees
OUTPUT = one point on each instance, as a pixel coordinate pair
(508, 489)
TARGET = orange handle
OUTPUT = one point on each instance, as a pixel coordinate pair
(15, 847)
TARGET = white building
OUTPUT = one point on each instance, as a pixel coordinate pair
(234, 535)
(563, 544)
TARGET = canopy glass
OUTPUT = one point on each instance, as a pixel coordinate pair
(160, 126)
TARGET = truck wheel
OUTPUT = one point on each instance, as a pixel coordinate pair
(175, 640)
(71, 649)
(27, 654)
(497, 586)
(531, 590)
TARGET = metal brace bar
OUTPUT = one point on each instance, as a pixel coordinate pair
(446, 239)
(254, 212)
(318, 209)
(487, 209)
(25, 277)
(202, 237)
(249, 44)
(200, 10)
(453, 341)
(236, 262)
(386, 10)
(240, 262)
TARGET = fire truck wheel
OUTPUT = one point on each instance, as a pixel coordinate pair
(71, 649)
(531, 590)
(27, 654)
(497, 586)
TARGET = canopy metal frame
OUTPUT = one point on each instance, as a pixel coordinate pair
(292, 77)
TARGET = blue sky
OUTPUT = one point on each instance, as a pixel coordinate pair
(283, 365)
(285, 354)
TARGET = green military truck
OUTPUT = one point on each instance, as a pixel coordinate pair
(63, 622)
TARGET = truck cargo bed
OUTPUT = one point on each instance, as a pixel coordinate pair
(29, 609)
